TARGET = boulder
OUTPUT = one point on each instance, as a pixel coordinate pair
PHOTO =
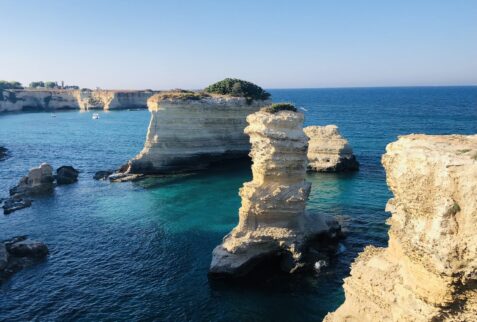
(38, 181)
(15, 203)
(18, 253)
(66, 175)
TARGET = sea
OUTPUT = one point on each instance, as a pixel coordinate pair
(140, 251)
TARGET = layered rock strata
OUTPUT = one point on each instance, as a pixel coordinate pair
(191, 131)
(272, 219)
(57, 99)
(18, 253)
(328, 151)
(429, 270)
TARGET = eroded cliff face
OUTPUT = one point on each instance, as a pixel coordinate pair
(36, 100)
(328, 151)
(272, 219)
(189, 134)
(429, 270)
(41, 100)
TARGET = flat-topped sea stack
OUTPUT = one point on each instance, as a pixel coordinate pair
(328, 151)
(272, 219)
(191, 130)
(429, 270)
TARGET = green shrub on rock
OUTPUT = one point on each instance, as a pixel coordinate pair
(277, 107)
(238, 88)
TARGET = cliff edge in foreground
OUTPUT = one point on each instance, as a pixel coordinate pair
(272, 219)
(429, 270)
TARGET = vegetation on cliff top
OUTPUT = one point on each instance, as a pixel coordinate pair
(238, 88)
(277, 107)
(10, 85)
(180, 94)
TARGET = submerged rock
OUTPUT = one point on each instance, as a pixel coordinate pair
(66, 175)
(272, 219)
(191, 130)
(18, 253)
(3, 153)
(328, 151)
(15, 203)
(429, 270)
(102, 175)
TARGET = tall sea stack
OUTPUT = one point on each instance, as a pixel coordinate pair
(429, 270)
(272, 219)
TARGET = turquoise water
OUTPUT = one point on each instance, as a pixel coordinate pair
(140, 251)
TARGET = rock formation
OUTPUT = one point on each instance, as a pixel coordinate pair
(272, 219)
(190, 130)
(38, 181)
(429, 270)
(18, 253)
(66, 175)
(58, 99)
(3, 153)
(328, 151)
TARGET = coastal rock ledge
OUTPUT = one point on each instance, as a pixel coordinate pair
(272, 219)
(191, 130)
(429, 270)
(328, 151)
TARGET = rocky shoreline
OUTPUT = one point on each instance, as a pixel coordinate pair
(428, 271)
(18, 100)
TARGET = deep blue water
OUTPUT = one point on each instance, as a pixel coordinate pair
(140, 251)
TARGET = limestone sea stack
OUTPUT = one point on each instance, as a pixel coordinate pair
(191, 130)
(429, 270)
(272, 219)
(328, 151)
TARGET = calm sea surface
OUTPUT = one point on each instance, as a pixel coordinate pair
(140, 251)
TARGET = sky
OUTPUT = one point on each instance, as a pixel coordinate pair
(165, 44)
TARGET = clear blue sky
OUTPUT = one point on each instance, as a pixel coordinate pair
(276, 44)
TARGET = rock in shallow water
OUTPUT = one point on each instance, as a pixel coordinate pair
(272, 219)
(3, 153)
(328, 151)
(66, 175)
(102, 175)
(18, 253)
(429, 270)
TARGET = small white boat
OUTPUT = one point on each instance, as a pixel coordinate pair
(95, 116)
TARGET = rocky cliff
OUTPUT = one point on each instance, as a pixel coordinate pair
(272, 219)
(46, 100)
(328, 151)
(429, 270)
(190, 130)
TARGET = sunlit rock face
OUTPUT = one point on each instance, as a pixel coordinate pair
(429, 270)
(36, 100)
(272, 219)
(188, 134)
(328, 151)
(58, 99)
(113, 99)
